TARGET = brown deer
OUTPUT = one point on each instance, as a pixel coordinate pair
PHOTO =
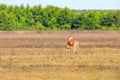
(72, 44)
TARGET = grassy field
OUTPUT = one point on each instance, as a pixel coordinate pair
(44, 56)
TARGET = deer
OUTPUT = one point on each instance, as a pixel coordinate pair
(73, 44)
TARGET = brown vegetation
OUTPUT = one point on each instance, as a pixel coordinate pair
(44, 56)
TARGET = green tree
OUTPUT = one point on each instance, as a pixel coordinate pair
(118, 19)
(79, 22)
(66, 16)
(50, 13)
(37, 13)
(55, 18)
(6, 22)
(3, 7)
(108, 19)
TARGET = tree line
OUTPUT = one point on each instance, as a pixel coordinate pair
(55, 18)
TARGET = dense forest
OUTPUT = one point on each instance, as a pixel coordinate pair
(54, 18)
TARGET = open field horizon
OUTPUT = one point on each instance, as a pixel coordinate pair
(28, 55)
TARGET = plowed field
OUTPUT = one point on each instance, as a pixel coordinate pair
(43, 55)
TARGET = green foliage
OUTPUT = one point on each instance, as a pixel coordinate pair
(118, 19)
(6, 21)
(54, 18)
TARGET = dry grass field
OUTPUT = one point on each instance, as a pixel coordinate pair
(44, 56)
